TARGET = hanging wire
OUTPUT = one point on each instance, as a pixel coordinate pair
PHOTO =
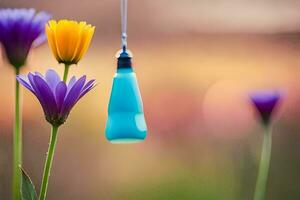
(124, 23)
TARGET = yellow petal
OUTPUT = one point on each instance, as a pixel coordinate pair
(80, 41)
(50, 31)
(62, 39)
(69, 40)
(74, 40)
(86, 37)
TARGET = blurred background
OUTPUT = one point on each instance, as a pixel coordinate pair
(196, 62)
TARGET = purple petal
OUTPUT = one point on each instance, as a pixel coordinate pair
(40, 20)
(38, 94)
(39, 41)
(46, 94)
(60, 93)
(265, 103)
(71, 83)
(88, 84)
(25, 82)
(72, 96)
(56, 98)
(20, 30)
(87, 88)
(39, 74)
(52, 78)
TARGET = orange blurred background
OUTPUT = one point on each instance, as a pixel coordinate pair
(196, 62)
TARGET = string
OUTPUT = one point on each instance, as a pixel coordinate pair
(124, 24)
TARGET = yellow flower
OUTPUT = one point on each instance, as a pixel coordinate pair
(69, 40)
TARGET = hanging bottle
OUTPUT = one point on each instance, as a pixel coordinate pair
(126, 121)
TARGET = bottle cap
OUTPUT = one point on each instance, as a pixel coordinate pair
(124, 59)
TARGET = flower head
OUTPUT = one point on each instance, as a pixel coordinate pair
(56, 97)
(265, 103)
(69, 40)
(21, 29)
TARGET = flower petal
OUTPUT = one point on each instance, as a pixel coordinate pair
(25, 82)
(62, 38)
(19, 30)
(72, 96)
(38, 94)
(52, 78)
(60, 93)
(46, 94)
(39, 21)
(56, 102)
(51, 35)
(87, 88)
(265, 103)
(71, 83)
(86, 35)
(69, 39)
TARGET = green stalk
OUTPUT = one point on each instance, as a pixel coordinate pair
(262, 179)
(66, 72)
(17, 143)
(48, 162)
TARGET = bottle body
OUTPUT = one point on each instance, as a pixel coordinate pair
(126, 121)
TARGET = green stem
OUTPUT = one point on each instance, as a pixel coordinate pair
(66, 72)
(48, 163)
(17, 143)
(262, 178)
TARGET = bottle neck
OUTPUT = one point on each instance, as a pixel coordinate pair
(124, 63)
(125, 70)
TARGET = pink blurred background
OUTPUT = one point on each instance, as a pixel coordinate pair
(196, 62)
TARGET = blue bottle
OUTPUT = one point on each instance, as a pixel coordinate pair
(126, 121)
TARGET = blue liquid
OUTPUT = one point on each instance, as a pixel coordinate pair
(126, 121)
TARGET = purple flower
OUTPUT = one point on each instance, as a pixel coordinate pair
(265, 103)
(56, 97)
(21, 29)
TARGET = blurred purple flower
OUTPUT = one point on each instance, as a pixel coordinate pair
(265, 102)
(56, 97)
(21, 29)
